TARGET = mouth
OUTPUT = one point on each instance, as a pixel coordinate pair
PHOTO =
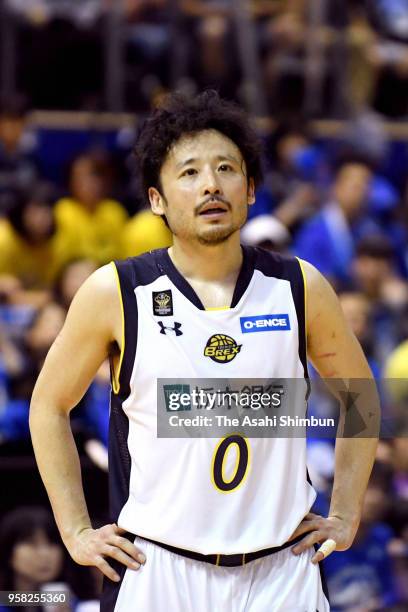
(213, 209)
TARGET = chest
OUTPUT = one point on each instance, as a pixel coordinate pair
(214, 295)
(258, 337)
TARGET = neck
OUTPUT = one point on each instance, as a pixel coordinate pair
(21, 583)
(88, 204)
(195, 261)
(348, 215)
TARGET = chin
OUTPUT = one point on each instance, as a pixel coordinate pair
(215, 235)
(214, 238)
(48, 575)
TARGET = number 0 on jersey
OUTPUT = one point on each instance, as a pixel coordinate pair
(241, 464)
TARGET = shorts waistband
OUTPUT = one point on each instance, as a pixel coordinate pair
(225, 560)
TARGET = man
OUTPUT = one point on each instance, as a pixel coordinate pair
(328, 240)
(186, 534)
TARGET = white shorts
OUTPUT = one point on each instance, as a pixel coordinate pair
(169, 582)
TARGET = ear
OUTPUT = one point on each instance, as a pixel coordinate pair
(156, 201)
(251, 192)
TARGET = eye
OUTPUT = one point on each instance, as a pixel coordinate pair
(225, 168)
(189, 172)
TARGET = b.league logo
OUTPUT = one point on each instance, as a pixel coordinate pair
(162, 303)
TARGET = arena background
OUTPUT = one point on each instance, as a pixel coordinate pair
(326, 82)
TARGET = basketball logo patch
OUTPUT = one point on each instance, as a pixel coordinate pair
(221, 348)
(162, 303)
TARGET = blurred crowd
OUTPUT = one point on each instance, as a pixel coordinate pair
(340, 203)
(331, 57)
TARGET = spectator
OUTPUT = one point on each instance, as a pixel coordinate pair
(361, 577)
(33, 247)
(148, 34)
(144, 232)
(358, 311)
(374, 273)
(22, 365)
(31, 552)
(267, 232)
(296, 171)
(211, 45)
(18, 165)
(361, 73)
(328, 241)
(71, 278)
(284, 46)
(88, 216)
(45, 327)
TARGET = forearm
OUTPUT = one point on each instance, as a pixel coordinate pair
(354, 461)
(59, 466)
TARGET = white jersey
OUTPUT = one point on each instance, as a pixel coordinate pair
(168, 489)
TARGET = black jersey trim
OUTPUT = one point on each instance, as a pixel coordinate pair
(167, 267)
(245, 275)
(116, 374)
(127, 283)
(119, 456)
(131, 273)
(287, 268)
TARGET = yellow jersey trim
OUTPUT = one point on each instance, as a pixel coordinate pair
(219, 308)
(305, 293)
(116, 375)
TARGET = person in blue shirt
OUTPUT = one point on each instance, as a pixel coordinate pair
(362, 576)
(328, 240)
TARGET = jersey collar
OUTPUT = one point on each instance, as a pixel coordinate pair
(166, 265)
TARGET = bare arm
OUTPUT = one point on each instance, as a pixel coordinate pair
(93, 324)
(336, 354)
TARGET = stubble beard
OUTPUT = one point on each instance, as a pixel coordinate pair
(212, 235)
(215, 236)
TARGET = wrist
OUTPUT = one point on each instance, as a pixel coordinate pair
(69, 536)
(352, 518)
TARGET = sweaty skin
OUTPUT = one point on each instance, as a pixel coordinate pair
(200, 172)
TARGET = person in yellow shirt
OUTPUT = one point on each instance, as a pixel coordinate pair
(92, 220)
(144, 232)
(32, 247)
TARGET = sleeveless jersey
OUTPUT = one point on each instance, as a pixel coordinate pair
(163, 488)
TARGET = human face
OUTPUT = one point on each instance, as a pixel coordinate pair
(356, 309)
(38, 220)
(87, 184)
(205, 189)
(37, 560)
(351, 188)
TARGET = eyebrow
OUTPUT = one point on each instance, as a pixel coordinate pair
(193, 160)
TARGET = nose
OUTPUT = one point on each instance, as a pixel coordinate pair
(210, 185)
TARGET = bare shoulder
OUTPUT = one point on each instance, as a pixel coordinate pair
(97, 303)
(331, 344)
(103, 280)
(320, 295)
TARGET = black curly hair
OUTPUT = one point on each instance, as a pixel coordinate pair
(180, 115)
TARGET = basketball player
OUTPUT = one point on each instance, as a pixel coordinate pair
(185, 537)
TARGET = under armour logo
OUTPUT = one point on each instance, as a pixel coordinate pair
(175, 329)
